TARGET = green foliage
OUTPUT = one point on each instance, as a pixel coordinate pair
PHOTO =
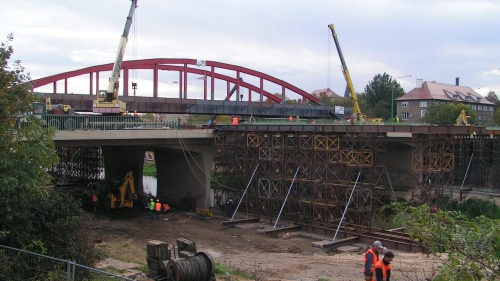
(472, 245)
(496, 117)
(447, 113)
(379, 94)
(225, 271)
(149, 169)
(475, 207)
(203, 119)
(492, 97)
(33, 218)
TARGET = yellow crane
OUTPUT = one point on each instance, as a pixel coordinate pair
(107, 100)
(357, 115)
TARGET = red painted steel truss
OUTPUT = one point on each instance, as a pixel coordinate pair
(211, 72)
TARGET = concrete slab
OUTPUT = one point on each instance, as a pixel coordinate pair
(249, 226)
(348, 249)
(321, 244)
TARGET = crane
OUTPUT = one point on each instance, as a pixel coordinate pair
(107, 100)
(355, 109)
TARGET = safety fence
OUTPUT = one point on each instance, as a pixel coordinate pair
(16, 264)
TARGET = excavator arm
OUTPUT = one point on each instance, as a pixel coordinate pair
(127, 183)
(356, 109)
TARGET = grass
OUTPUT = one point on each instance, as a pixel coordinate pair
(225, 271)
(149, 169)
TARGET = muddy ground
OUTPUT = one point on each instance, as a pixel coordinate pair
(124, 234)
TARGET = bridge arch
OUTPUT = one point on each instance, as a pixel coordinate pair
(217, 71)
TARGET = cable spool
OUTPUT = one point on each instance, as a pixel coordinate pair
(197, 268)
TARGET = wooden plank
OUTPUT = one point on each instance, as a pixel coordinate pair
(337, 243)
(235, 222)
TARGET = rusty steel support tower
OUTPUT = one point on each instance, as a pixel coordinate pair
(326, 164)
(83, 163)
(311, 174)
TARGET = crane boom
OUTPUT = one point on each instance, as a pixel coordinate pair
(107, 101)
(356, 109)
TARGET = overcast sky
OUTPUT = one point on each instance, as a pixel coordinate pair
(433, 40)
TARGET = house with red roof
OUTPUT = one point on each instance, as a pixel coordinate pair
(413, 106)
(324, 92)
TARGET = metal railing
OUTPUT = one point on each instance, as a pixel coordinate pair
(101, 122)
(16, 264)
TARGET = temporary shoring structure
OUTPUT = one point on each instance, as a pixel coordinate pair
(78, 163)
(330, 163)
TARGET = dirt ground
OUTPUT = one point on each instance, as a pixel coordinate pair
(124, 234)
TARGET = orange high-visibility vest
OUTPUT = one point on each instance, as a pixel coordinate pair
(94, 198)
(374, 260)
(385, 267)
(158, 206)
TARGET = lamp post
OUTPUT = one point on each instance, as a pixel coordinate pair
(392, 95)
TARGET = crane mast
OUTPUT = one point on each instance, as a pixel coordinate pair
(355, 110)
(107, 100)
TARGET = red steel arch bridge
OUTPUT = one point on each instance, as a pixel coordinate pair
(227, 89)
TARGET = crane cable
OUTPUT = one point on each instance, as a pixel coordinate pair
(184, 149)
(198, 268)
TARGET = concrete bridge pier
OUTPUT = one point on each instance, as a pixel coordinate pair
(183, 175)
(118, 160)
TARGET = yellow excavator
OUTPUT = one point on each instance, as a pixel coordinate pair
(462, 119)
(126, 194)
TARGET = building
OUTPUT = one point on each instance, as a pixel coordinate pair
(325, 92)
(413, 106)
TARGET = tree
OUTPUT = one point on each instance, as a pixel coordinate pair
(379, 95)
(492, 97)
(32, 217)
(447, 113)
(472, 244)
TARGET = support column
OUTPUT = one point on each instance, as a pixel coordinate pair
(184, 176)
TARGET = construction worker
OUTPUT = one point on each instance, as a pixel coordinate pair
(370, 259)
(234, 120)
(152, 208)
(94, 202)
(383, 267)
(157, 209)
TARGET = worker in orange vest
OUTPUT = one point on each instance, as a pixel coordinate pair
(234, 120)
(383, 267)
(94, 202)
(157, 209)
(370, 259)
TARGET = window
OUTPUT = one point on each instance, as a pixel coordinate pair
(423, 104)
(405, 104)
(423, 112)
(405, 115)
(490, 108)
(479, 107)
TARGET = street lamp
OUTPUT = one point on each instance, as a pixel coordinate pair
(392, 95)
